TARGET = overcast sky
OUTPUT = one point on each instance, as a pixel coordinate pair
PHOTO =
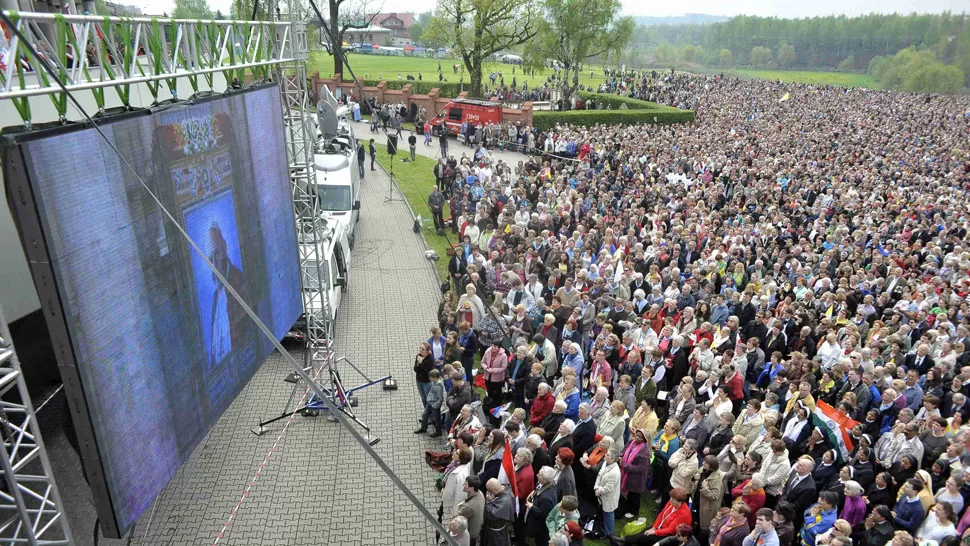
(779, 8)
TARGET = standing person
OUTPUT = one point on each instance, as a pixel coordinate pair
(373, 154)
(607, 490)
(635, 470)
(494, 363)
(436, 202)
(427, 133)
(468, 340)
(412, 144)
(539, 504)
(423, 364)
(499, 514)
(443, 142)
(361, 156)
(473, 507)
(432, 406)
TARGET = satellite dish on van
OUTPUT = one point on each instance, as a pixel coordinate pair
(327, 114)
(330, 163)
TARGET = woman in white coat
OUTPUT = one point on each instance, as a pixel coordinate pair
(453, 482)
(607, 490)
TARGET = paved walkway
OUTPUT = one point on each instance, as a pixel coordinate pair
(362, 130)
(319, 488)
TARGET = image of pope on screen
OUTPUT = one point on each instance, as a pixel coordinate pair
(212, 225)
(226, 312)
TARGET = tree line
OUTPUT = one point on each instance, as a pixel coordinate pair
(832, 42)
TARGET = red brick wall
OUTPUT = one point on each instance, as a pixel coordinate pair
(432, 102)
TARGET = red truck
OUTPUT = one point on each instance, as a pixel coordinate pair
(455, 112)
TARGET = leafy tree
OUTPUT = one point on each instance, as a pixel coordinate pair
(666, 53)
(918, 71)
(242, 10)
(218, 15)
(480, 28)
(824, 42)
(191, 9)
(574, 31)
(878, 66)
(933, 77)
(760, 56)
(785, 55)
(725, 57)
(688, 53)
(848, 63)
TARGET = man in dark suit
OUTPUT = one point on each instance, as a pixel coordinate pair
(800, 489)
(584, 436)
(920, 360)
(542, 501)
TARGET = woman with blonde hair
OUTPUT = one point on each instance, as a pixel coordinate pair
(613, 424)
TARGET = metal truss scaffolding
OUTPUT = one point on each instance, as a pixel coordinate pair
(30, 506)
(95, 54)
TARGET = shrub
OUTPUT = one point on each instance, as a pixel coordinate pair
(614, 101)
(588, 118)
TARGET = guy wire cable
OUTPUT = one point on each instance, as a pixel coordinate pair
(335, 411)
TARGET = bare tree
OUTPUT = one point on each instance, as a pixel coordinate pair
(342, 16)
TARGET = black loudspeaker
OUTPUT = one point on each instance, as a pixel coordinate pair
(391, 144)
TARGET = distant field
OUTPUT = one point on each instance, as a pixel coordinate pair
(377, 67)
(843, 79)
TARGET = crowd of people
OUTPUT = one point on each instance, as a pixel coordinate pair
(679, 312)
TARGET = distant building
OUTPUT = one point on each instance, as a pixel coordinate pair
(399, 24)
(371, 35)
(122, 10)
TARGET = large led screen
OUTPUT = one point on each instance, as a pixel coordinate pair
(154, 347)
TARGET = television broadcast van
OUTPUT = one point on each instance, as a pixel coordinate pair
(334, 257)
(338, 179)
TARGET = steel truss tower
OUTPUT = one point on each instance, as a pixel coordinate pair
(30, 506)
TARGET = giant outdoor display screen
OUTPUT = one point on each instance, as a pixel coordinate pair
(151, 347)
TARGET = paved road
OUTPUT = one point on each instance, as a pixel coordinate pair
(362, 130)
(319, 488)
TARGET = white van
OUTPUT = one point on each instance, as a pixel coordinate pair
(334, 256)
(338, 181)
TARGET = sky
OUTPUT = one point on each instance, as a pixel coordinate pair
(777, 8)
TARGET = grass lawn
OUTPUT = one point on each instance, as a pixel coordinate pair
(842, 79)
(415, 181)
(378, 67)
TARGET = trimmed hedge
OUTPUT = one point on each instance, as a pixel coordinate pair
(614, 101)
(588, 118)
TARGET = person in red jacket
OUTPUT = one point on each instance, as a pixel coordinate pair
(542, 405)
(674, 513)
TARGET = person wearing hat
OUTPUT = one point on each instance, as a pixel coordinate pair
(634, 470)
(674, 513)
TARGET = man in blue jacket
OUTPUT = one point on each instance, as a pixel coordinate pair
(819, 518)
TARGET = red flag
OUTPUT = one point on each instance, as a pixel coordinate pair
(508, 469)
